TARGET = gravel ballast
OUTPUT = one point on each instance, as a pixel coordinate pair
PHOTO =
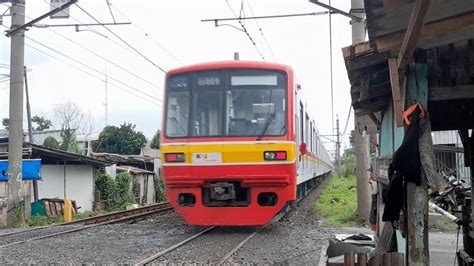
(296, 239)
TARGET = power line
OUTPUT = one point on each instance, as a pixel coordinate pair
(347, 121)
(261, 31)
(90, 74)
(97, 32)
(93, 69)
(105, 59)
(245, 31)
(146, 34)
(122, 40)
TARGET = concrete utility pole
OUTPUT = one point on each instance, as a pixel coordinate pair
(362, 151)
(15, 140)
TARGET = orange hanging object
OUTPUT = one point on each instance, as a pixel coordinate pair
(408, 112)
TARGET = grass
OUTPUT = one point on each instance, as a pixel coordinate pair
(338, 202)
(43, 220)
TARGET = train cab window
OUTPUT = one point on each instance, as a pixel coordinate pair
(177, 113)
(207, 104)
(256, 103)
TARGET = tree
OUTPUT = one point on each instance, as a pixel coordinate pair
(70, 118)
(41, 122)
(122, 140)
(51, 142)
(5, 122)
(155, 141)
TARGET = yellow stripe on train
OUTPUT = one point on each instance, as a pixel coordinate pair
(228, 153)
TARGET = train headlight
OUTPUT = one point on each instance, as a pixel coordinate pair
(274, 155)
(174, 157)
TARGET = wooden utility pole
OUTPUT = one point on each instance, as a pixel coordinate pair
(417, 196)
(16, 202)
(361, 139)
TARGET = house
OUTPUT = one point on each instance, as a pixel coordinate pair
(420, 55)
(61, 171)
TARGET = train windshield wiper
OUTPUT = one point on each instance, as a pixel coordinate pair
(267, 125)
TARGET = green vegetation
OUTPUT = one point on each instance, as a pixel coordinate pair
(51, 142)
(121, 140)
(348, 167)
(44, 220)
(338, 202)
(160, 192)
(155, 141)
(116, 193)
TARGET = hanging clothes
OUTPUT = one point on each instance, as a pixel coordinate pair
(405, 165)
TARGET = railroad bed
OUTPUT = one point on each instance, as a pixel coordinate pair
(38, 233)
(295, 239)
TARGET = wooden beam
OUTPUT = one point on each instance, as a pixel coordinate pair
(375, 120)
(417, 20)
(396, 91)
(364, 87)
(451, 93)
(385, 21)
(433, 34)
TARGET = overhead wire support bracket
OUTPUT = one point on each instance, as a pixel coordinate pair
(78, 25)
(32, 22)
(216, 20)
(337, 11)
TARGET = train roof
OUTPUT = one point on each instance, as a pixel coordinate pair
(230, 64)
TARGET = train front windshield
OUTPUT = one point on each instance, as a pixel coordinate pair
(234, 103)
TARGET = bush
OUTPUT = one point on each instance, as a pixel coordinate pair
(348, 167)
(160, 192)
(116, 193)
(123, 196)
(51, 143)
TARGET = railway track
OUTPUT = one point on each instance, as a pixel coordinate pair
(129, 216)
(151, 260)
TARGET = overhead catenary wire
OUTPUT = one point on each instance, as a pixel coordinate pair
(261, 31)
(347, 120)
(147, 34)
(93, 69)
(90, 74)
(246, 31)
(106, 59)
(122, 40)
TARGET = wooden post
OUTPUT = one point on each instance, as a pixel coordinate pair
(417, 197)
(349, 259)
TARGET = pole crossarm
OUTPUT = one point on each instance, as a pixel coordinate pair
(265, 17)
(337, 11)
(32, 22)
(78, 25)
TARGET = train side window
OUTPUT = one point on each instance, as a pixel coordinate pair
(301, 122)
(307, 128)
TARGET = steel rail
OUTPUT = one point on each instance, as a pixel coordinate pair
(96, 222)
(229, 254)
(161, 253)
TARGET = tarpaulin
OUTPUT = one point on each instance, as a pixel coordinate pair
(30, 170)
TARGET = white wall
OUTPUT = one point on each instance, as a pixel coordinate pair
(79, 184)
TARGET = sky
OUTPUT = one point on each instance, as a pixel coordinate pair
(170, 34)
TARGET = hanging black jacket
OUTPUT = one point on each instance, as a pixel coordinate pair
(405, 166)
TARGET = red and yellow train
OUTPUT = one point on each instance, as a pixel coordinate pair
(238, 143)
